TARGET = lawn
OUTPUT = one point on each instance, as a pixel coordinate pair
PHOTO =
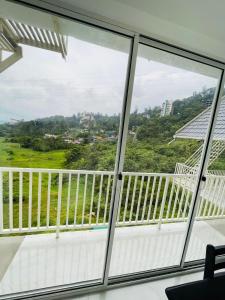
(12, 155)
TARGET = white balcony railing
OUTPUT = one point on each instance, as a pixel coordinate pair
(185, 169)
(48, 199)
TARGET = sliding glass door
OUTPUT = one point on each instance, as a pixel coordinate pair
(103, 138)
(162, 159)
(62, 87)
(208, 221)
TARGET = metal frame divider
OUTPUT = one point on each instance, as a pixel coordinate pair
(181, 52)
(69, 290)
(124, 121)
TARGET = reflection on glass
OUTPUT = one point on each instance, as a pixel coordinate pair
(161, 162)
(62, 86)
(209, 222)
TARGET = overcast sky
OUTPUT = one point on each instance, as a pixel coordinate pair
(91, 79)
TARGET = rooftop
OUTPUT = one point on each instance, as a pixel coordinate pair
(197, 128)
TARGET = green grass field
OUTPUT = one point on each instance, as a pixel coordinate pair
(12, 155)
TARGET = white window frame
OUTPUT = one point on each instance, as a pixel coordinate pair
(54, 7)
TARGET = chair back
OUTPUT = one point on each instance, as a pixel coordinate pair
(210, 260)
(211, 287)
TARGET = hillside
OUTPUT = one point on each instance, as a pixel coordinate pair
(89, 140)
(183, 111)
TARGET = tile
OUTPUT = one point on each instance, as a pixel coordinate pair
(8, 248)
(152, 290)
(41, 260)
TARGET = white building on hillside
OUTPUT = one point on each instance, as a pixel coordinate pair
(87, 120)
(167, 108)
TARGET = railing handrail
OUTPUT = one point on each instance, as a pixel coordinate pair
(210, 173)
(156, 174)
(70, 171)
(59, 171)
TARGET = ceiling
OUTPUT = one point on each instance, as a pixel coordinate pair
(195, 25)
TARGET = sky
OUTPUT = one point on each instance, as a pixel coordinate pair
(91, 79)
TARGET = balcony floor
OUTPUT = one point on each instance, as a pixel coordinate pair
(41, 260)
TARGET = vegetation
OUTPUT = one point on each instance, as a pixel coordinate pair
(89, 142)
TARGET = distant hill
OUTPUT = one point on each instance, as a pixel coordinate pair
(147, 124)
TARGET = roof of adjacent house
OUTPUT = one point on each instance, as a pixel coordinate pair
(197, 127)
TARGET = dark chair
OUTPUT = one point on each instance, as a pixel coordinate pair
(212, 287)
(211, 265)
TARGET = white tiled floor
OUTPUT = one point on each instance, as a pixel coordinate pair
(8, 248)
(43, 261)
(153, 290)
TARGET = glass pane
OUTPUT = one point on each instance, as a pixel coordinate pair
(62, 86)
(209, 221)
(161, 160)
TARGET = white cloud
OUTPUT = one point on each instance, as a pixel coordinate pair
(155, 82)
(91, 79)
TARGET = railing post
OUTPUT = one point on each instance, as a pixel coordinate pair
(48, 199)
(20, 200)
(99, 200)
(11, 200)
(92, 198)
(163, 203)
(59, 205)
(68, 200)
(39, 199)
(1, 202)
(30, 200)
(107, 199)
(84, 199)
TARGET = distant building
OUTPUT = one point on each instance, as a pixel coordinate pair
(167, 108)
(87, 120)
(207, 96)
(71, 141)
(50, 136)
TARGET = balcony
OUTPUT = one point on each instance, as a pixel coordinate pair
(72, 209)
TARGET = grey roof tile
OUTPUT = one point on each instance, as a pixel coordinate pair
(197, 128)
